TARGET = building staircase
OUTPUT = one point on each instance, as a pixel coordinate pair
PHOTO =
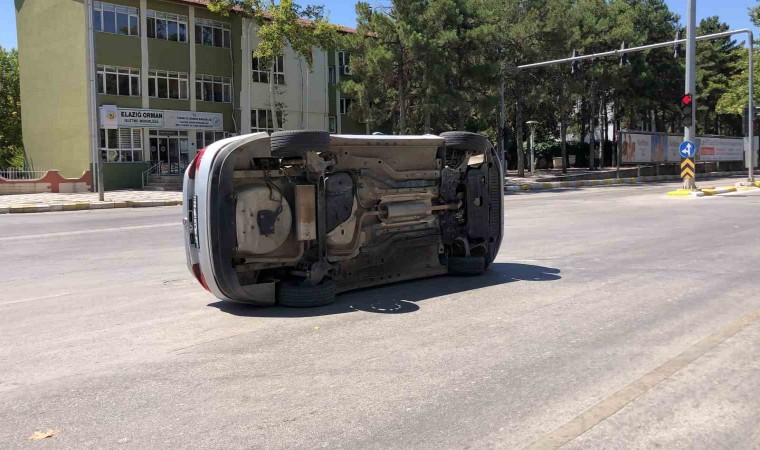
(163, 183)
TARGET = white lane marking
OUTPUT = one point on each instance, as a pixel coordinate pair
(44, 297)
(96, 230)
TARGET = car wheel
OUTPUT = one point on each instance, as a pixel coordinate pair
(466, 265)
(295, 295)
(464, 140)
(288, 144)
(495, 227)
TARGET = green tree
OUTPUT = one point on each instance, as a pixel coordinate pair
(11, 144)
(754, 15)
(717, 63)
(372, 84)
(282, 24)
(734, 99)
(469, 69)
(553, 102)
(519, 32)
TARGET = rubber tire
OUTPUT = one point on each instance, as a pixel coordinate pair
(295, 295)
(288, 144)
(496, 213)
(466, 265)
(464, 140)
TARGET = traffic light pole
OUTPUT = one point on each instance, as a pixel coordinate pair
(690, 132)
(707, 37)
(751, 105)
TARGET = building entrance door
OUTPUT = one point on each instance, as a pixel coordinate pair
(169, 151)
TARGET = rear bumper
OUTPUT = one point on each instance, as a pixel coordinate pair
(212, 195)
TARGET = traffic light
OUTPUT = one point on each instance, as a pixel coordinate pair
(687, 105)
(574, 64)
(677, 46)
(623, 56)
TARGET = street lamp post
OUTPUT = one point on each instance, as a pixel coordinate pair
(532, 124)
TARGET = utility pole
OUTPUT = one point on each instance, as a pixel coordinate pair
(690, 132)
(532, 124)
(502, 124)
(751, 108)
(92, 97)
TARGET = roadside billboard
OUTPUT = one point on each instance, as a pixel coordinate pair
(673, 143)
(635, 148)
(721, 149)
(642, 147)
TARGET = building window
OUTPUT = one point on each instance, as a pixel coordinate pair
(331, 75)
(172, 27)
(118, 80)
(261, 120)
(164, 84)
(116, 19)
(332, 124)
(212, 33)
(345, 105)
(261, 71)
(121, 145)
(205, 138)
(344, 61)
(213, 89)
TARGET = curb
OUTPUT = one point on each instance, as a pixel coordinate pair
(610, 181)
(716, 191)
(80, 206)
(706, 192)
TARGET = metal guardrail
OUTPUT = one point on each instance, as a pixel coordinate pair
(16, 174)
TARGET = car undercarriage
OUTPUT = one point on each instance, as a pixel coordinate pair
(302, 215)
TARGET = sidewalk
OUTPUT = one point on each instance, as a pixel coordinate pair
(19, 203)
(553, 179)
(573, 174)
(544, 179)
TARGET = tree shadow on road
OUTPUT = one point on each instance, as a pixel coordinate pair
(401, 298)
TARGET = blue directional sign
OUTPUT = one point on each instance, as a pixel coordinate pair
(687, 149)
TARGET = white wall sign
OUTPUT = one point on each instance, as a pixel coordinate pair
(141, 118)
(108, 119)
(113, 117)
(194, 120)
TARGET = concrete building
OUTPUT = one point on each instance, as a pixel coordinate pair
(171, 77)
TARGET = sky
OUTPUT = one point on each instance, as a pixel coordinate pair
(733, 12)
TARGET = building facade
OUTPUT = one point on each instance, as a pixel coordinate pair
(171, 77)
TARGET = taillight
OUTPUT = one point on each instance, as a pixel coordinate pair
(199, 276)
(196, 164)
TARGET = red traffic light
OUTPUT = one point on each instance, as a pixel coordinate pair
(687, 107)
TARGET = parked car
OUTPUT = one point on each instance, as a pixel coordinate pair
(298, 216)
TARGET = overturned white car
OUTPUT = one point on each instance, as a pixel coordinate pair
(298, 216)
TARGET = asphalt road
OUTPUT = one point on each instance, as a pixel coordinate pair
(614, 317)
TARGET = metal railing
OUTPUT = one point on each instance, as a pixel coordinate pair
(160, 168)
(146, 174)
(17, 174)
